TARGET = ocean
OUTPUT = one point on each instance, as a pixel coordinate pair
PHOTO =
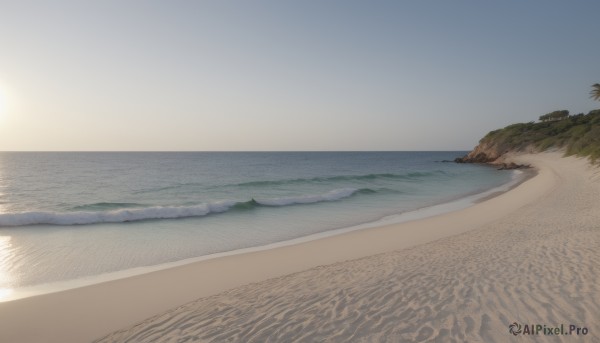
(72, 216)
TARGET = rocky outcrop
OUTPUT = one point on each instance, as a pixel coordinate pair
(513, 165)
(490, 152)
(485, 152)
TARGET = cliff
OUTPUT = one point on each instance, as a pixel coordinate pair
(576, 135)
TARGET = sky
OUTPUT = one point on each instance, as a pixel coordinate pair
(287, 75)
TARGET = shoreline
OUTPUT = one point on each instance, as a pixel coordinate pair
(441, 208)
(118, 303)
(527, 174)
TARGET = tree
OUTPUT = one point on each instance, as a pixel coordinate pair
(556, 115)
(595, 93)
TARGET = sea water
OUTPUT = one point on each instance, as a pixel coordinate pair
(73, 215)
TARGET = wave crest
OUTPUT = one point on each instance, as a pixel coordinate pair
(129, 214)
(387, 176)
(322, 179)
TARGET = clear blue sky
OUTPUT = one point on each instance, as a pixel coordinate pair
(288, 75)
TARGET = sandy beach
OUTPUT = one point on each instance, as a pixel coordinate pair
(529, 256)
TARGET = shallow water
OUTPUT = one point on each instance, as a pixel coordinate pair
(65, 216)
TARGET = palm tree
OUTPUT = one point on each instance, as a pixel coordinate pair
(595, 93)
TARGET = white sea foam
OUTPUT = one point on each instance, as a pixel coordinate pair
(115, 216)
(157, 212)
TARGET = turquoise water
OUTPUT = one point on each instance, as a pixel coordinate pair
(65, 216)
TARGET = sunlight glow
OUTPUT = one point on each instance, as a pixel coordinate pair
(6, 100)
(5, 293)
(2, 103)
(5, 277)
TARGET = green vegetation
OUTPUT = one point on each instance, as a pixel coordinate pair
(578, 134)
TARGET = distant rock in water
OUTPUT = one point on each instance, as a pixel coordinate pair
(512, 165)
(482, 157)
(485, 152)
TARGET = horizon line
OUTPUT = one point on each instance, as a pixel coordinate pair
(224, 151)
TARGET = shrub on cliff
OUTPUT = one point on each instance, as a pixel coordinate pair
(578, 134)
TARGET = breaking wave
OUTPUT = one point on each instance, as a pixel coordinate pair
(127, 212)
